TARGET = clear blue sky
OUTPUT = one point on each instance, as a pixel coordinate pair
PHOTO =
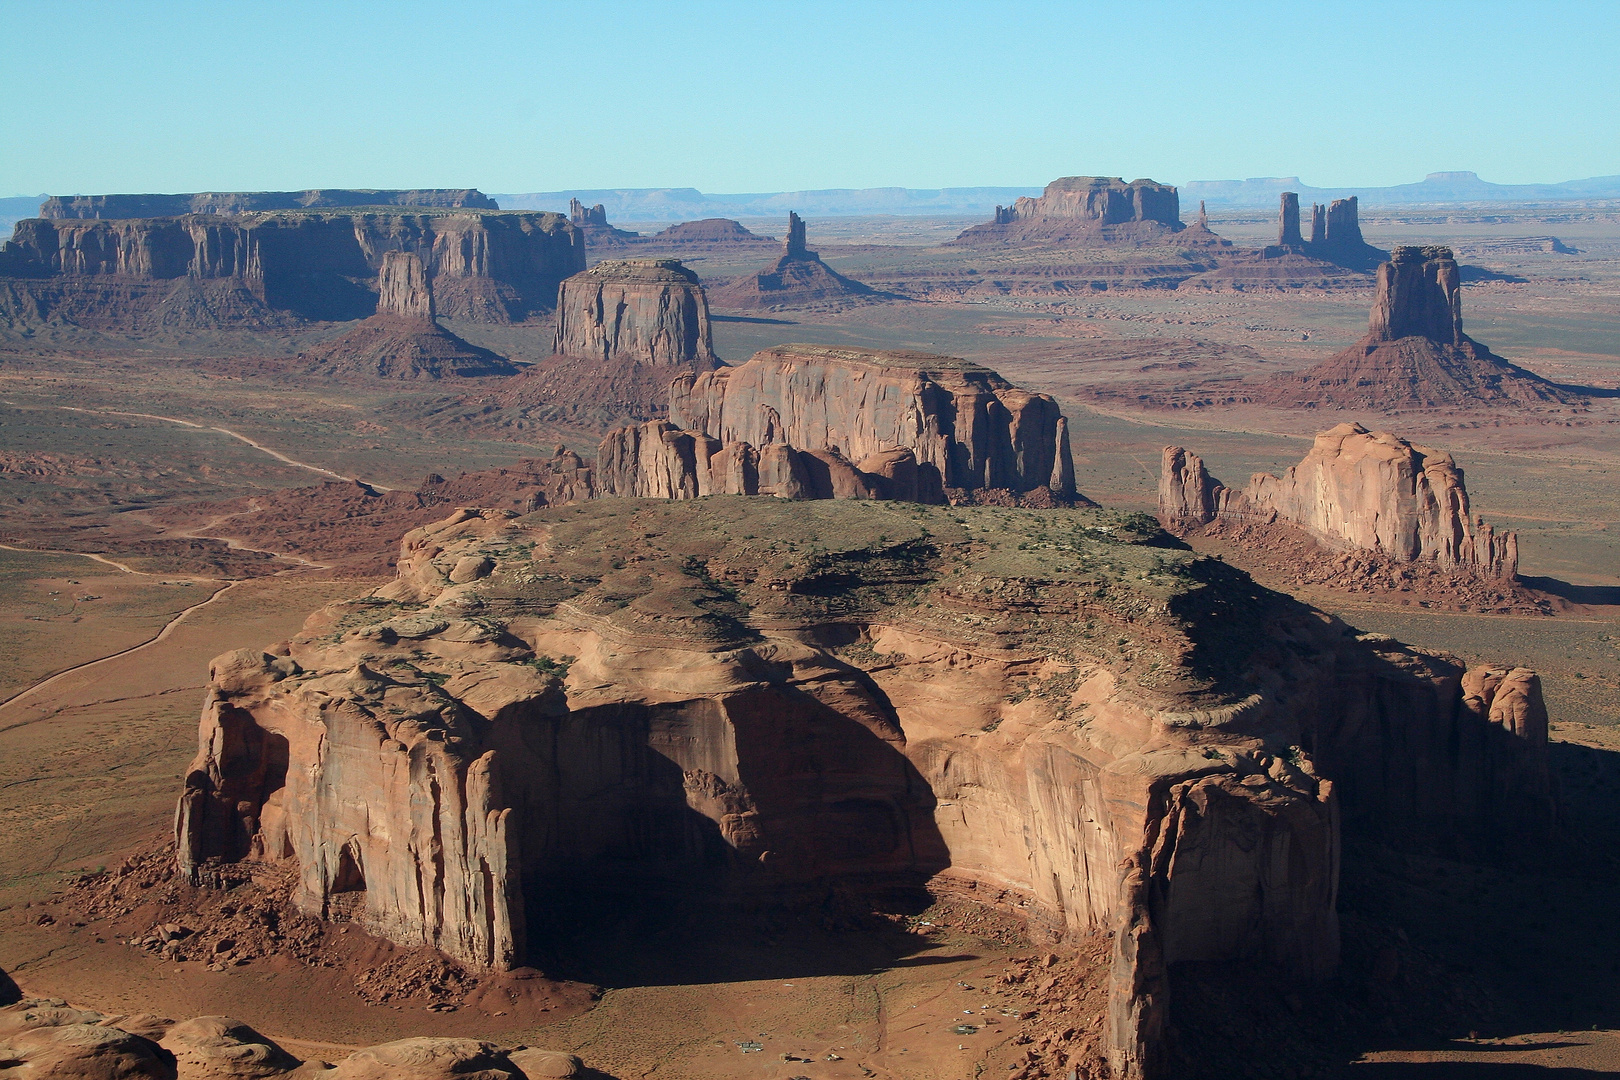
(147, 95)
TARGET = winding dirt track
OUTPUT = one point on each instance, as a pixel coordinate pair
(277, 454)
(153, 640)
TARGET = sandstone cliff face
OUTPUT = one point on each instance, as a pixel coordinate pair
(1356, 489)
(402, 286)
(624, 330)
(1419, 295)
(1335, 235)
(243, 202)
(485, 267)
(1415, 354)
(1085, 208)
(403, 340)
(964, 425)
(898, 693)
(644, 311)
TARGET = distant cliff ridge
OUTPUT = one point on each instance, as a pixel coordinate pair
(491, 267)
(242, 202)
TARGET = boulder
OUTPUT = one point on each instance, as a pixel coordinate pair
(545, 1064)
(220, 1048)
(9, 994)
(83, 1052)
(428, 1059)
(1356, 489)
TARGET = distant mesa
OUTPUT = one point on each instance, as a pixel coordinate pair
(798, 279)
(593, 222)
(403, 340)
(242, 202)
(625, 329)
(1414, 354)
(819, 422)
(1361, 490)
(711, 231)
(1091, 210)
(280, 267)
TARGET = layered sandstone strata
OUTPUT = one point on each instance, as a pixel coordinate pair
(403, 340)
(244, 202)
(625, 329)
(835, 422)
(1355, 489)
(643, 311)
(1085, 209)
(798, 279)
(1414, 354)
(484, 266)
(1107, 730)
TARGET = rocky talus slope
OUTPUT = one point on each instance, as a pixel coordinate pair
(48, 1037)
(798, 279)
(404, 339)
(1414, 354)
(269, 268)
(750, 697)
(820, 421)
(625, 329)
(1360, 490)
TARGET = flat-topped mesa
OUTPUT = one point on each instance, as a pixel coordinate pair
(618, 696)
(1100, 208)
(625, 328)
(256, 268)
(1355, 489)
(1419, 295)
(243, 202)
(643, 311)
(816, 421)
